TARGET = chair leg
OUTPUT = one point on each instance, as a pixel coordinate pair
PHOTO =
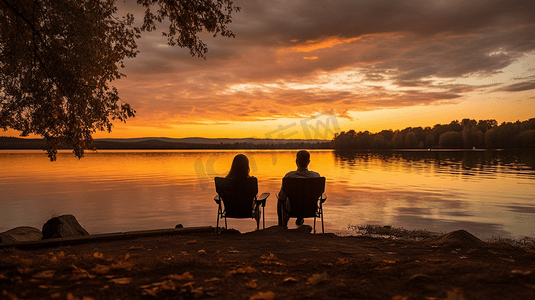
(264, 218)
(322, 227)
(218, 216)
(314, 224)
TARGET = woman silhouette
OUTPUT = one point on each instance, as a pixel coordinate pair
(240, 167)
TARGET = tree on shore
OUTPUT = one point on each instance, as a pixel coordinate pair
(58, 58)
(461, 135)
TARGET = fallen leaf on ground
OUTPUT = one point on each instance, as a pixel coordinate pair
(24, 270)
(273, 272)
(44, 274)
(70, 296)
(101, 269)
(184, 276)
(251, 284)
(521, 272)
(79, 273)
(456, 294)
(191, 242)
(317, 278)
(390, 261)
(196, 292)
(263, 296)
(11, 296)
(244, 270)
(202, 251)
(153, 291)
(98, 255)
(124, 280)
(343, 260)
(122, 265)
(270, 256)
(233, 251)
(289, 280)
(508, 259)
(399, 297)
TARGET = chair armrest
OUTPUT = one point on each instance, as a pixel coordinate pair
(262, 199)
(217, 199)
(323, 197)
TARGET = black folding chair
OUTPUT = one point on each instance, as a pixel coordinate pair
(305, 198)
(237, 198)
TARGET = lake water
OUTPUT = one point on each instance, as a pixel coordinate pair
(486, 193)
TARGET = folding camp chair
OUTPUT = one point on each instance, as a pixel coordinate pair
(305, 198)
(237, 198)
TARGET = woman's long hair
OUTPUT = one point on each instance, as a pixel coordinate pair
(240, 167)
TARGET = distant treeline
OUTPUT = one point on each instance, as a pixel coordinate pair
(155, 144)
(466, 134)
(160, 145)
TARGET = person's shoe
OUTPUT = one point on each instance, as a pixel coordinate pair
(299, 221)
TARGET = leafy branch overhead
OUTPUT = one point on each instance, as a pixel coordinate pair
(58, 58)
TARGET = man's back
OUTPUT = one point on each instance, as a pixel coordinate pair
(302, 173)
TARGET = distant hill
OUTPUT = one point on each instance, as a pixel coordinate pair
(18, 143)
(171, 143)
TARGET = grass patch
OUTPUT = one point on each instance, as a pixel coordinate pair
(391, 232)
(525, 242)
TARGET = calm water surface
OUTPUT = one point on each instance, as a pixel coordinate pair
(487, 193)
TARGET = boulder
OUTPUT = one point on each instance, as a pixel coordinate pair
(458, 239)
(20, 234)
(62, 227)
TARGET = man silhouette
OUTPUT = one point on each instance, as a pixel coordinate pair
(302, 160)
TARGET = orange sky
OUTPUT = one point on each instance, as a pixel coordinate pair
(362, 65)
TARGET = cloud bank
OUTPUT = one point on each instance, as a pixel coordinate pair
(293, 59)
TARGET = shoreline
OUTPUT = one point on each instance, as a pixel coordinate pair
(267, 264)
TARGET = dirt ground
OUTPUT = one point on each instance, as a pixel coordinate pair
(271, 264)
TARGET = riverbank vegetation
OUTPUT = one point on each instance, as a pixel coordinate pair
(467, 134)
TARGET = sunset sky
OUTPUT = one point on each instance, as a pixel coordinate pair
(373, 65)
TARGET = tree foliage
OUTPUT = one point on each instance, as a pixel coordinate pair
(462, 135)
(58, 58)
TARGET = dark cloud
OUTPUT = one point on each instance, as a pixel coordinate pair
(294, 58)
(518, 87)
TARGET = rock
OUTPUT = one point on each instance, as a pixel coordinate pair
(63, 226)
(179, 226)
(230, 231)
(458, 239)
(20, 234)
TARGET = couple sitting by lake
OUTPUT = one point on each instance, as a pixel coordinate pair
(240, 169)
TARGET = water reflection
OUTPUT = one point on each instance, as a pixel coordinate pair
(486, 163)
(486, 193)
